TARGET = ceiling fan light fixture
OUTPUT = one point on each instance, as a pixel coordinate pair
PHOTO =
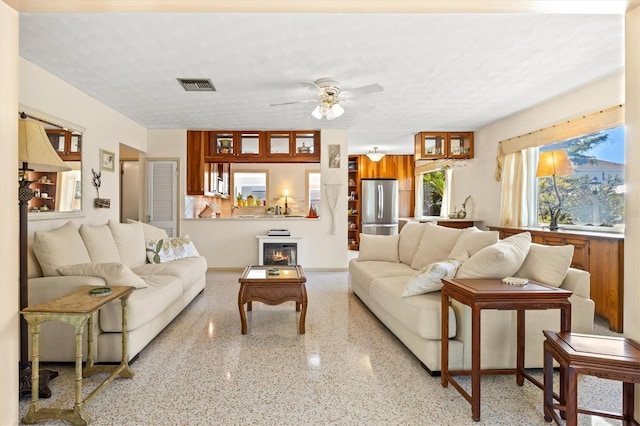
(316, 113)
(337, 110)
(375, 155)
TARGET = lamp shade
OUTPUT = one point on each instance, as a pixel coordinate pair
(35, 149)
(375, 155)
(554, 163)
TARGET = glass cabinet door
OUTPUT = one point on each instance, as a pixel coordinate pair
(433, 145)
(305, 143)
(279, 143)
(461, 145)
(250, 143)
(222, 143)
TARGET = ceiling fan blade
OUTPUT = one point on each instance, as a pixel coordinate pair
(311, 86)
(360, 91)
(295, 102)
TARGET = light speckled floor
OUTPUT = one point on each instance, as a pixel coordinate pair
(347, 369)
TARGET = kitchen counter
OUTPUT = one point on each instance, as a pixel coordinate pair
(245, 217)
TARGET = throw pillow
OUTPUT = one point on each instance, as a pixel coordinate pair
(59, 247)
(410, 237)
(168, 249)
(100, 243)
(499, 260)
(150, 232)
(379, 247)
(547, 264)
(112, 273)
(435, 245)
(429, 278)
(129, 239)
(472, 241)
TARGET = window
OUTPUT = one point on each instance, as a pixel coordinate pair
(313, 190)
(250, 188)
(593, 195)
(433, 192)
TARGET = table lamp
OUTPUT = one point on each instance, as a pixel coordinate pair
(554, 163)
(35, 153)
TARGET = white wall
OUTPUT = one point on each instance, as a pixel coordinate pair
(9, 293)
(105, 129)
(476, 178)
(233, 244)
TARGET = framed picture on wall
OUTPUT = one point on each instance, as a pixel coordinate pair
(334, 156)
(107, 160)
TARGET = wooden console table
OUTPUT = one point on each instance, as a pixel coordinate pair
(490, 293)
(76, 308)
(599, 253)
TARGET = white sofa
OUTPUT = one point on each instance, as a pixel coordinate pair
(383, 270)
(66, 258)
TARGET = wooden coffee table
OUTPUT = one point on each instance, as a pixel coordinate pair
(481, 294)
(257, 285)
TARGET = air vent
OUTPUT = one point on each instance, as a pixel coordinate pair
(197, 84)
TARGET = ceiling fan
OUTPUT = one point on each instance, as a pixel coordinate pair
(329, 95)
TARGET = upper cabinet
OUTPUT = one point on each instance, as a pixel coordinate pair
(435, 145)
(67, 144)
(234, 146)
(298, 146)
(196, 141)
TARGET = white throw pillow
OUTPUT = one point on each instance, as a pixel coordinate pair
(472, 241)
(379, 247)
(59, 247)
(151, 233)
(547, 264)
(129, 239)
(100, 243)
(499, 260)
(429, 278)
(435, 245)
(410, 237)
(168, 249)
(111, 273)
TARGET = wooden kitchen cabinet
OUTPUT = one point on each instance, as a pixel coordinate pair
(438, 145)
(67, 144)
(226, 146)
(600, 254)
(299, 146)
(196, 142)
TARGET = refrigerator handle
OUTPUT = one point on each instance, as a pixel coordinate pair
(380, 202)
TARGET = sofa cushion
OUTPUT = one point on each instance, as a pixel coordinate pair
(547, 264)
(499, 260)
(435, 245)
(129, 239)
(379, 247)
(144, 304)
(428, 279)
(189, 270)
(420, 314)
(151, 233)
(111, 273)
(100, 243)
(472, 241)
(59, 247)
(410, 236)
(170, 249)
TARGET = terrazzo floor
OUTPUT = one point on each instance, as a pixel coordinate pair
(347, 369)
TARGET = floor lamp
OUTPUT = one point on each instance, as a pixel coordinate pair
(35, 153)
(554, 163)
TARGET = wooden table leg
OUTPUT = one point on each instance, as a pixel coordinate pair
(243, 315)
(475, 362)
(628, 395)
(303, 314)
(520, 347)
(444, 340)
(548, 383)
(571, 396)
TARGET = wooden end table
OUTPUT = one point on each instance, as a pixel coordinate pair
(481, 294)
(613, 358)
(76, 308)
(256, 285)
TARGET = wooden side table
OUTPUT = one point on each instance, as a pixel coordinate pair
(76, 308)
(256, 285)
(612, 358)
(481, 294)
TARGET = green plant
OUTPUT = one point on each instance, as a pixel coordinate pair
(156, 251)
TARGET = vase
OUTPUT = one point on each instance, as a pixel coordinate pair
(462, 213)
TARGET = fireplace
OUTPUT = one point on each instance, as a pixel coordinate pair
(279, 250)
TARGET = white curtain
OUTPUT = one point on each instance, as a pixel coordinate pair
(517, 207)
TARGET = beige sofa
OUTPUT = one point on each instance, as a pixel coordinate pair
(66, 258)
(389, 266)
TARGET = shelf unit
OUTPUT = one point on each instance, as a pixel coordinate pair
(44, 187)
(437, 145)
(353, 209)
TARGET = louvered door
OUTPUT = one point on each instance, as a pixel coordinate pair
(162, 204)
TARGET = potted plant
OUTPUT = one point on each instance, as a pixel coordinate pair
(239, 199)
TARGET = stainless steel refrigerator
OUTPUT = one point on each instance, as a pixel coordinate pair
(379, 207)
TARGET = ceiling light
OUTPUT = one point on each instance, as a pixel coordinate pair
(328, 110)
(375, 155)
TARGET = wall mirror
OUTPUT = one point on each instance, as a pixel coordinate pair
(57, 195)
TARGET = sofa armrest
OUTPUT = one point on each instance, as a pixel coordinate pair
(578, 281)
(42, 289)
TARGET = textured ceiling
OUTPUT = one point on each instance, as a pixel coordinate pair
(439, 72)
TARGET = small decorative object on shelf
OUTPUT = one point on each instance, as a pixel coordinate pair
(104, 203)
(273, 271)
(462, 213)
(100, 291)
(515, 281)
